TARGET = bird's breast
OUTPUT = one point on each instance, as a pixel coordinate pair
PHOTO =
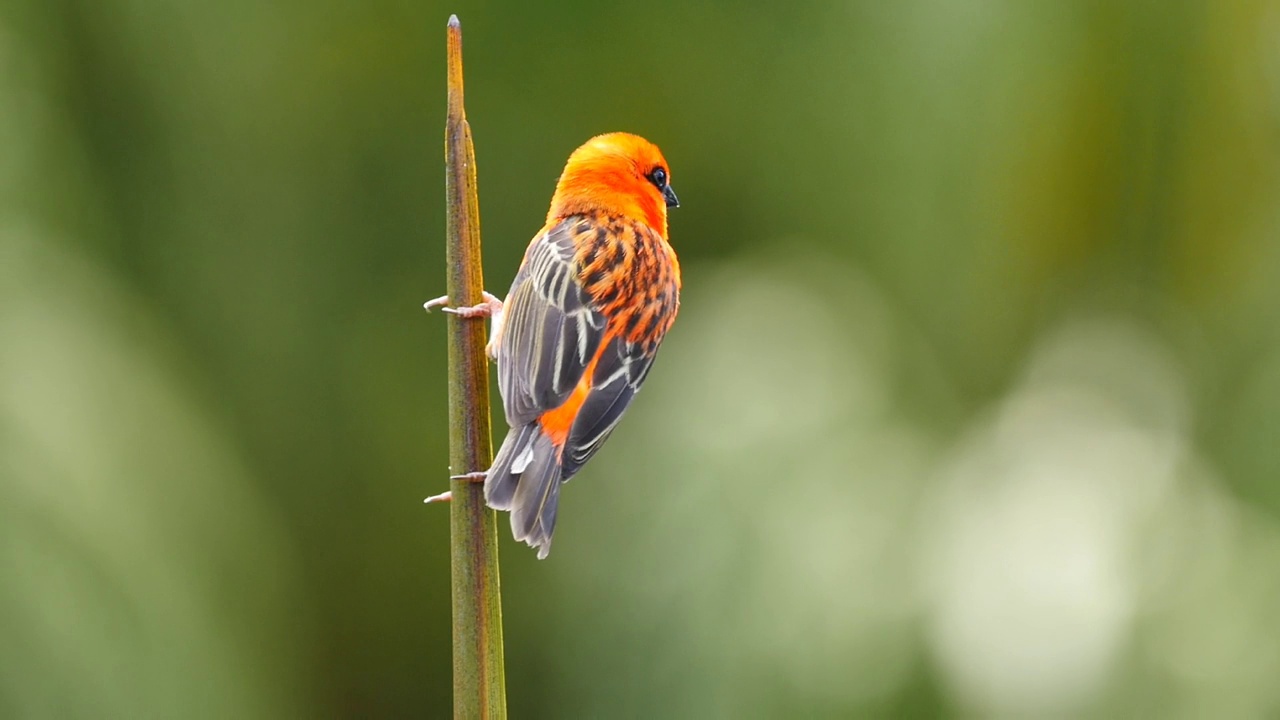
(632, 275)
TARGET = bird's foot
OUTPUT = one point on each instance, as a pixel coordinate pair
(491, 307)
(478, 476)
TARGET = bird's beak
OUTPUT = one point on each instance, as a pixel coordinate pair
(670, 196)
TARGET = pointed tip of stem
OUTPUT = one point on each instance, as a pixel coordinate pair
(453, 54)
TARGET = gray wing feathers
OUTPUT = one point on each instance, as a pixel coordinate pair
(550, 331)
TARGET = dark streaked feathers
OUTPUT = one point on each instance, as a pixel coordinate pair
(617, 377)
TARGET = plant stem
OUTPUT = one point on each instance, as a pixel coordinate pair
(479, 684)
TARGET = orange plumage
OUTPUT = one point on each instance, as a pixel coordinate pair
(597, 291)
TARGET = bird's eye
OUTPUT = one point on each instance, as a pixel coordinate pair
(658, 177)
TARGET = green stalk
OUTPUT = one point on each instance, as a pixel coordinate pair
(479, 685)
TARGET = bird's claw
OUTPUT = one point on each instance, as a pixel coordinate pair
(435, 303)
(489, 307)
(447, 496)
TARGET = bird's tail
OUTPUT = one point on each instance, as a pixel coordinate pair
(525, 479)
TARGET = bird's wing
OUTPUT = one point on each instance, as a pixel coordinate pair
(618, 374)
(551, 327)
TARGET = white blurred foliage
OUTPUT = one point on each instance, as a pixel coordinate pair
(1060, 534)
(1030, 570)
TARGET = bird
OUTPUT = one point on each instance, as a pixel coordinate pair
(574, 340)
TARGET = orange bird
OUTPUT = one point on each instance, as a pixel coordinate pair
(597, 292)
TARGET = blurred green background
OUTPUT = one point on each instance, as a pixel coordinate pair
(972, 410)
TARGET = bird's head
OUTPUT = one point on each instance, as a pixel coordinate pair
(619, 173)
